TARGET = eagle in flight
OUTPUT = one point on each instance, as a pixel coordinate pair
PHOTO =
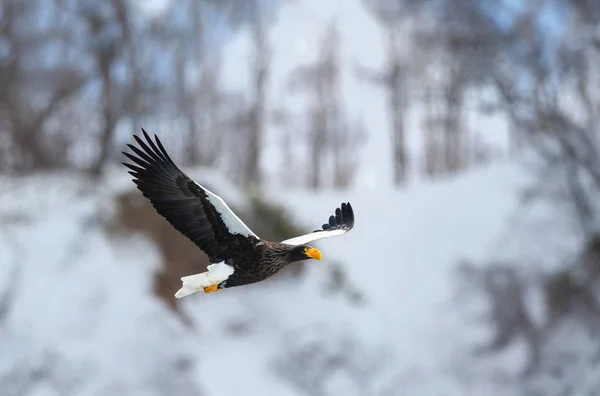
(237, 255)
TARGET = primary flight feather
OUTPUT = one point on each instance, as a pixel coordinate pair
(238, 256)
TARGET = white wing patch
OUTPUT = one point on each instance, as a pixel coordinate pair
(313, 236)
(339, 224)
(232, 222)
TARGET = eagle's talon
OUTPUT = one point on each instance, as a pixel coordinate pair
(211, 288)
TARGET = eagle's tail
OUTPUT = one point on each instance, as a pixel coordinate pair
(206, 281)
(191, 284)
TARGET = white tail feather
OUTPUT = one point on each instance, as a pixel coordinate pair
(216, 274)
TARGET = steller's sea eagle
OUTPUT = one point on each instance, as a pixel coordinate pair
(238, 256)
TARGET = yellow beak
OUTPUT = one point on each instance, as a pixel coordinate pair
(313, 253)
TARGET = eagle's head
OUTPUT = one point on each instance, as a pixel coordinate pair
(304, 252)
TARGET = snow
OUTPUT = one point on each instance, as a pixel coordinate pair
(77, 300)
(86, 297)
(411, 240)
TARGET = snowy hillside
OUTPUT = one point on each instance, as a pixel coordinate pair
(84, 301)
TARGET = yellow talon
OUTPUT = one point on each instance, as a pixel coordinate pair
(211, 288)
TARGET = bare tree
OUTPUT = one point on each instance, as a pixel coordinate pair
(504, 288)
(32, 93)
(218, 107)
(290, 169)
(452, 68)
(260, 72)
(553, 107)
(397, 85)
(107, 35)
(455, 152)
(433, 154)
(345, 142)
(192, 100)
(319, 80)
(449, 49)
(47, 114)
(330, 139)
(247, 127)
(196, 73)
(395, 80)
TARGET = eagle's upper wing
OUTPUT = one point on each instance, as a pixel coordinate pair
(341, 223)
(192, 209)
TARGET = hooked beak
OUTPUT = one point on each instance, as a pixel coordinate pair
(313, 253)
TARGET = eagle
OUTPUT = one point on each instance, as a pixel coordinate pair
(237, 255)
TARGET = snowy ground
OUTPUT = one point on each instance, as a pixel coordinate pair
(87, 298)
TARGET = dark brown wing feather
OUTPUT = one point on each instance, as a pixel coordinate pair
(184, 203)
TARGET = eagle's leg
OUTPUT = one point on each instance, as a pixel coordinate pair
(211, 288)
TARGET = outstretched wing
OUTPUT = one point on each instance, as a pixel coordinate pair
(341, 223)
(192, 209)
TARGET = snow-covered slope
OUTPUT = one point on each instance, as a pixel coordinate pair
(87, 299)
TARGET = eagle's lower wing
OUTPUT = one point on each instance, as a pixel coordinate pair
(192, 209)
(339, 224)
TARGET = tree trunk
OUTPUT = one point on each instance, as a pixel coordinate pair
(108, 116)
(257, 113)
(195, 152)
(397, 111)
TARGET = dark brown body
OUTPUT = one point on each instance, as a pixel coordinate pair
(273, 256)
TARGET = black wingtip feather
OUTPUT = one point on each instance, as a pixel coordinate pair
(348, 214)
(155, 150)
(150, 157)
(148, 151)
(343, 219)
(162, 149)
(145, 134)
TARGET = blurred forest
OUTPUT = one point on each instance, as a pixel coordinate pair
(78, 77)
